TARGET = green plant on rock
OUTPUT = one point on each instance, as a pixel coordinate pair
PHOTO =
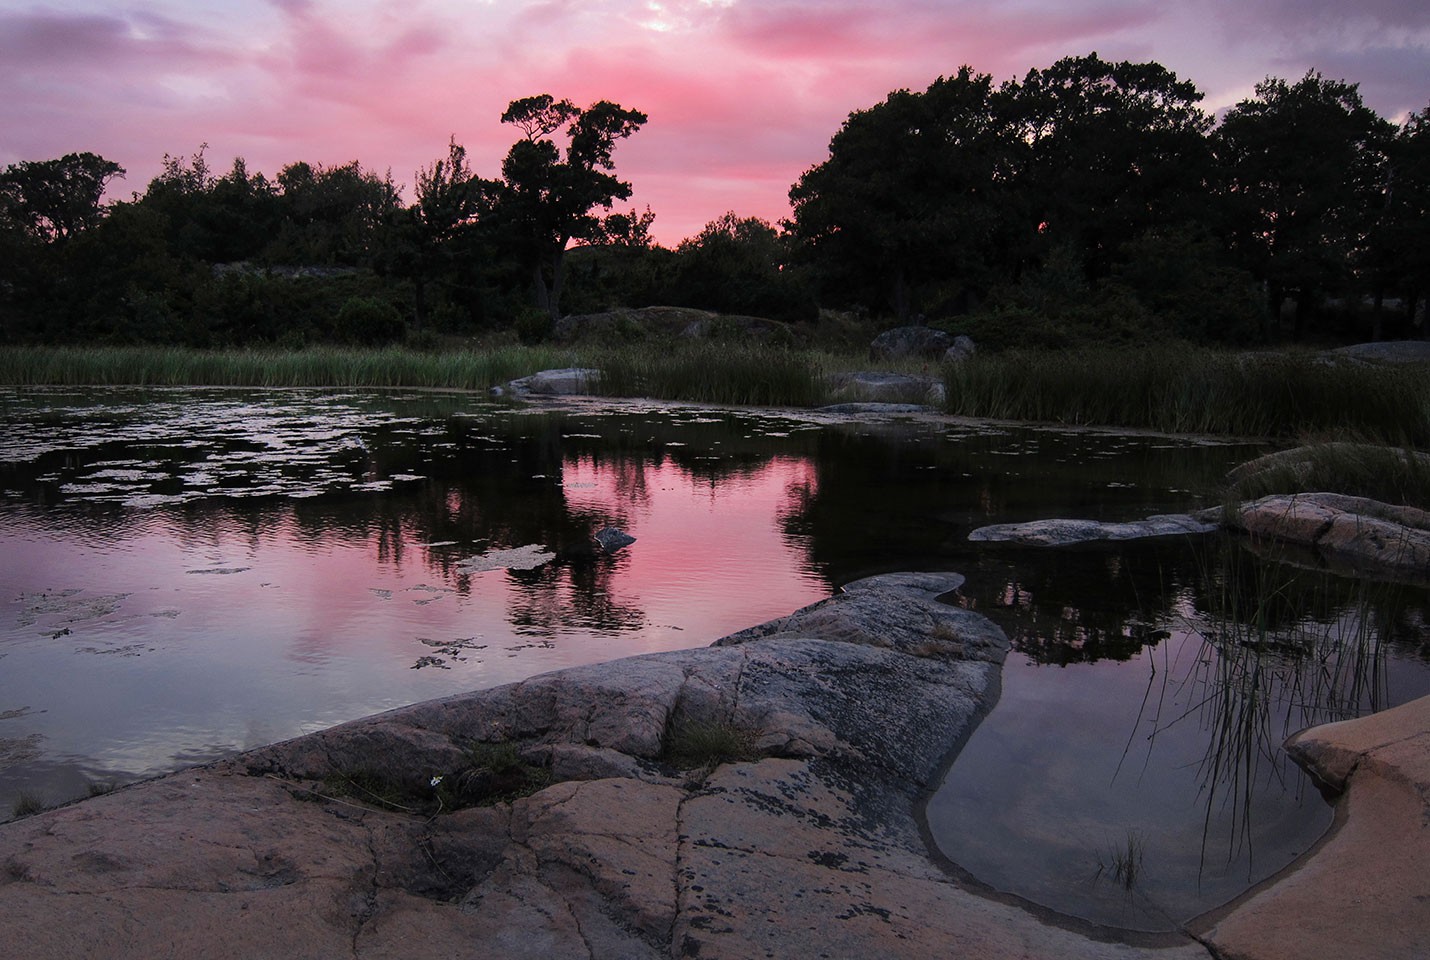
(494, 773)
(370, 787)
(26, 805)
(691, 744)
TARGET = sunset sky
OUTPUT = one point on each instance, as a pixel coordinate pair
(743, 95)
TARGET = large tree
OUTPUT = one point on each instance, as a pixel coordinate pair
(913, 200)
(547, 196)
(1403, 237)
(1116, 149)
(1298, 165)
(429, 233)
(53, 200)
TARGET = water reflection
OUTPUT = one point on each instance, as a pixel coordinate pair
(1145, 708)
(189, 573)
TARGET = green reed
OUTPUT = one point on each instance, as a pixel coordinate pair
(719, 372)
(1189, 390)
(315, 367)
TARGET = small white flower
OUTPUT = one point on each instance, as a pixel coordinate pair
(436, 780)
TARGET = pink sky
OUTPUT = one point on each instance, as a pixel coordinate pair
(743, 95)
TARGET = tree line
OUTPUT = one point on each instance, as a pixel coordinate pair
(1088, 201)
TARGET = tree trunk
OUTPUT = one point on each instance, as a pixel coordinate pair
(548, 291)
(1303, 310)
(538, 287)
(901, 295)
(1271, 320)
(558, 279)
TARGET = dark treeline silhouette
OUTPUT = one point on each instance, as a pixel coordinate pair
(1088, 202)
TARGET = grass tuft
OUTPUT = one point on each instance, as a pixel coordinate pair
(316, 367)
(27, 805)
(692, 743)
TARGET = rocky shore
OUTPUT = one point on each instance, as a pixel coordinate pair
(755, 798)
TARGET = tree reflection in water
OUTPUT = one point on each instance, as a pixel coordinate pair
(1210, 656)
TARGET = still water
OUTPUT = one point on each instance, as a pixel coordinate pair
(189, 573)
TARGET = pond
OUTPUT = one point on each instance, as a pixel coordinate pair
(189, 573)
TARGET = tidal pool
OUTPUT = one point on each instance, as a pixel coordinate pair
(189, 573)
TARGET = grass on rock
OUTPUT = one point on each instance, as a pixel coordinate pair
(1390, 474)
(691, 744)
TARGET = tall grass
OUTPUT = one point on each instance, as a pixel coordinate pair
(316, 367)
(1187, 390)
(713, 373)
(698, 372)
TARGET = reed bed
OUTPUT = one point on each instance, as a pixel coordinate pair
(1185, 390)
(724, 373)
(698, 372)
(316, 367)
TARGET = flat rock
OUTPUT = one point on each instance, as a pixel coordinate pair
(565, 382)
(873, 386)
(1389, 351)
(1063, 532)
(1365, 535)
(1364, 892)
(809, 846)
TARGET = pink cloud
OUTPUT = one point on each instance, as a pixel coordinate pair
(742, 97)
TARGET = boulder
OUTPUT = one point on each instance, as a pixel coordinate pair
(962, 349)
(903, 342)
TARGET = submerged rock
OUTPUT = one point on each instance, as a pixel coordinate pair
(610, 539)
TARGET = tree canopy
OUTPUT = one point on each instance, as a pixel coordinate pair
(545, 197)
(1087, 200)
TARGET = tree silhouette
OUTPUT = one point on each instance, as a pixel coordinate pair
(53, 200)
(546, 198)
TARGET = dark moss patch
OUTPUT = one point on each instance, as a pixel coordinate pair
(493, 773)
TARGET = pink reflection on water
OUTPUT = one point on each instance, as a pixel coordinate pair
(232, 628)
(710, 557)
